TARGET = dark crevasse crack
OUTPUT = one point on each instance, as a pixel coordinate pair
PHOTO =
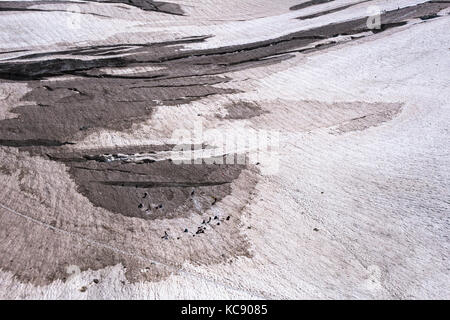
(307, 4)
(428, 17)
(149, 5)
(107, 169)
(322, 13)
(33, 142)
(162, 184)
(386, 26)
(13, 51)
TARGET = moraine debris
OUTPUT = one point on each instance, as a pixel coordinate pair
(200, 230)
